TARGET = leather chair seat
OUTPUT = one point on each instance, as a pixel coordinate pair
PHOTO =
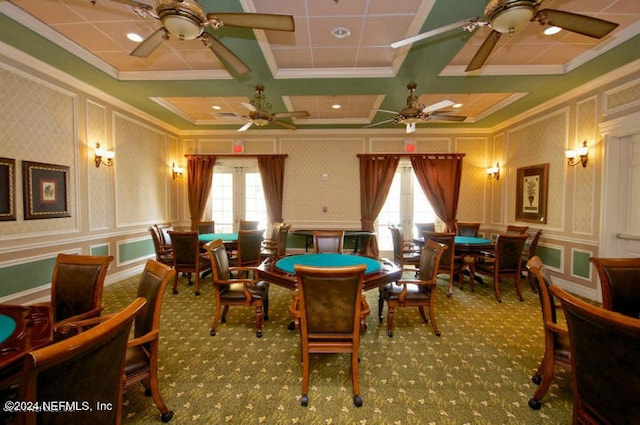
(414, 292)
(235, 291)
(136, 359)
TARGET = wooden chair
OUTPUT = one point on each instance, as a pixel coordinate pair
(331, 241)
(516, 230)
(605, 360)
(418, 292)
(450, 263)
(467, 229)
(620, 284)
(206, 227)
(425, 227)
(276, 248)
(85, 368)
(141, 364)
(506, 262)
(164, 253)
(248, 225)
(76, 290)
(528, 253)
(405, 253)
(557, 350)
(187, 258)
(249, 249)
(244, 292)
(163, 230)
(329, 303)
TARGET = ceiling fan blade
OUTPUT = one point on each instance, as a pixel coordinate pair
(285, 125)
(428, 34)
(151, 43)
(246, 126)
(224, 54)
(388, 112)
(438, 105)
(378, 123)
(294, 114)
(484, 51)
(249, 106)
(135, 4)
(582, 24)
(263, 21)
(442, 117)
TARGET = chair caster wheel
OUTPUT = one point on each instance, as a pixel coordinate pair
(437, 333)
(499, 300)
(291, 326)
(197, 293)
(390, 334)
(223, 319)
(304, 401)
(175, 291)
(537, 379)
(357, 401)
(147, 392)
(166, 417)
(259, 334)
(449, 294)
(521, 299)
(212, 332)
(534, 404)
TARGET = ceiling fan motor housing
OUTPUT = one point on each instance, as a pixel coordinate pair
(183, 19)
(507, 16)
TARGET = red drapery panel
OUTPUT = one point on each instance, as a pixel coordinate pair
(376, 176)
(272, 175)
(439, 177)
(199, 178)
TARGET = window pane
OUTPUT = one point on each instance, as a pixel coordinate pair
(222, 202)
(422, 211)
(255, 208)
(390, 214)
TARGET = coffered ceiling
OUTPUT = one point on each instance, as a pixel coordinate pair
(317, 66)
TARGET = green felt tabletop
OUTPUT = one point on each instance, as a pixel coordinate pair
(287, 264)
(226, 237)
(7, 326)
(468, 240)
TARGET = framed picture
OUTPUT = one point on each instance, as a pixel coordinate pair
(7, 189)
(45, 190)
(531, 193)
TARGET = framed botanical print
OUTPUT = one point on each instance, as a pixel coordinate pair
(531, 193)
(45, 190)
(7, 189)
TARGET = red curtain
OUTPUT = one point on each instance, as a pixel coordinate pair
(272, 175)
(439, 177)
(199, 178)
(376, 176)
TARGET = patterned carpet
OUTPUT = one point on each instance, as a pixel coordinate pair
(478, 372)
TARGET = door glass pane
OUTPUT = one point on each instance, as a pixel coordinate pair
(222, 201)
(255, 208)
(422, 210)
(390, 214)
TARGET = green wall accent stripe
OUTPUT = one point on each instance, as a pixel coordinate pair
(551, 257)
(100, 250)
(21, 277)
(581, 265)
(130, 251)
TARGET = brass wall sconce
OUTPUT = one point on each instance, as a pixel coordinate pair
(101, 153)
(494, 172)
(573, 154)
(176, 172)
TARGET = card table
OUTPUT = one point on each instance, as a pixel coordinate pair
(358, 237)
(230, 240)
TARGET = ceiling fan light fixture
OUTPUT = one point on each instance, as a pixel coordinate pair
(182, 27)
(136, 38)
(507, 16)
(552, 30)
(341, 32)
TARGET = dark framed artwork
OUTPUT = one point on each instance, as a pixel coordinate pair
(45, 190)
(7, 189)
(531, 193)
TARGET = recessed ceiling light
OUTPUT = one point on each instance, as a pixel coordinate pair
(216, 107)
(457, 105)
(134, 37)
(336, 106)
(341, 32)
(552, 30)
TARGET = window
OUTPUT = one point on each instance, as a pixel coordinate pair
(236, 193)
(405, 205)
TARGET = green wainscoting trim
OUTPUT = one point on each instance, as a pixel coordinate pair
(21, 277)
(130, 251)
(581, 266)
(100, 250)
(551, 257)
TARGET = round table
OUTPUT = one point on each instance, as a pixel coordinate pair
(287, 264)
(7, 326)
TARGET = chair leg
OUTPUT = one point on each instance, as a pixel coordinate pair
(518, 290)
(304, 400)
(225, 310)
(175, 284)
(380, 306)
(545, 373)
(266, 307)
(216, 317)
(357, 399)
(165, 413)
(390, 311)
(259, 318)
(496, 288)
(196, 289)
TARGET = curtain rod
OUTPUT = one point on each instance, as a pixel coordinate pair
(235, 155)
(409, 155)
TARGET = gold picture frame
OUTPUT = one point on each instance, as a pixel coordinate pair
(7, 189)
(531, 193)
(45, 190)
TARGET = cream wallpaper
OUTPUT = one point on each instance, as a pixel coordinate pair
(584, 179)
(473, 188)
(100, 179)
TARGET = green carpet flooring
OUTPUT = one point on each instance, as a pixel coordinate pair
(478, 372)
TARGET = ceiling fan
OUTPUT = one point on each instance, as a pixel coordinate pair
(508, 16)
(260, 113)
(415, 112)
(186, 20)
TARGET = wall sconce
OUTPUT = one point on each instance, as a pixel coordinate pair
(494, 172)
(176, 172)
(101, 153)
(582, 152)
